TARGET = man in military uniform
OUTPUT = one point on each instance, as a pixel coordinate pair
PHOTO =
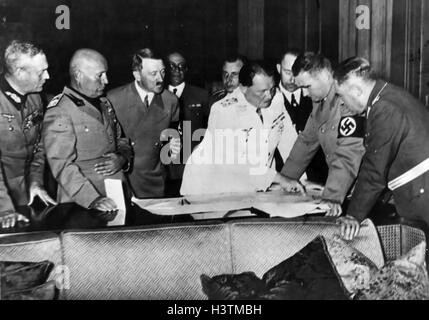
(326, 128)
(252, 127)
(194, 113)
(299, 108)
(146, 111)
(82, 136)
(21, 114)
(230, 73)
(396, 141)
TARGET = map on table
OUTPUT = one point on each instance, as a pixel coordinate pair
(275, 203)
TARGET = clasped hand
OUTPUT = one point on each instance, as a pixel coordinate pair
(113, 163)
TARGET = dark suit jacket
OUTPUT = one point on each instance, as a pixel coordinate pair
(194, 114)
(144, 127)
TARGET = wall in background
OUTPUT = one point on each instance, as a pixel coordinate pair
(205, 31)
(309, 25)
(396, 43)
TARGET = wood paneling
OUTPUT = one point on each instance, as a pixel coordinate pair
(373, 44)
(425, 55)
(251, 28)
(309, 25)
(409, 48)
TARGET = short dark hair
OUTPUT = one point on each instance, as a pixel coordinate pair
(248, 72)
(235, 57)
(145, 53)
(354, 65)
(14, 50)
(310, 62)
(292, 51)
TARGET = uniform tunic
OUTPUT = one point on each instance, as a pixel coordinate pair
(21, 154)
(396, 140)
(343, 155)
(244, 161)
(76, 136)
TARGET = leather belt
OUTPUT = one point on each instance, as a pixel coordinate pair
(410, 175)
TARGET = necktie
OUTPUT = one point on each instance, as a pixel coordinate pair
(293, 101)
(258, 111)
(175, 91)
(146, 101)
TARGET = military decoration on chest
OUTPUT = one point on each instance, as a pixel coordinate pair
(228, 102)
(9, 118)
(351, 127)
(32, 120)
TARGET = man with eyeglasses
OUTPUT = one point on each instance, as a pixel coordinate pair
(22, 157)
(330, 127)
(194, 113)
(146, 112)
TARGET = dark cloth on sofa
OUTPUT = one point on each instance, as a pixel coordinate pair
(26, 280)
(307, 275)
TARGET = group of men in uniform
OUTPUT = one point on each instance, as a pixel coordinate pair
(332, 126)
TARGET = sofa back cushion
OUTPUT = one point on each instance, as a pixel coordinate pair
(258, 246)
(31, 247)
(146, 263)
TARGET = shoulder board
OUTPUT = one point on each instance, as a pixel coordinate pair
(351, 126)
(218, 92)
(77, 101)
(55, 100)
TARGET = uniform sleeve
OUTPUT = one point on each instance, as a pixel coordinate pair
(381, 145)
(37, 167)
(59, 139)
(303, 151)
(343, 169)
(124, 146)
(6, 204)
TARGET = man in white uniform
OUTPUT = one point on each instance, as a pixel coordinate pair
(244, 129)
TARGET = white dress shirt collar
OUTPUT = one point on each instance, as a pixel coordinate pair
(288, 94)
(143, 93)
(179, 88)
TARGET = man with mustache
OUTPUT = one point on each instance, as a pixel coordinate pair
(83, 138)
(21, 114)
(146, 112)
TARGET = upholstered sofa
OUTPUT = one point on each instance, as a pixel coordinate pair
(166, 262)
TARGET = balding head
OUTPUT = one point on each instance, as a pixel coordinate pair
(88, 72)
(284, 68)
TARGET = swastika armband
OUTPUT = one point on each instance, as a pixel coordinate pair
(351, 126)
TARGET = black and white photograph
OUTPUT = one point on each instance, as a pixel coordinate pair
(195, 151)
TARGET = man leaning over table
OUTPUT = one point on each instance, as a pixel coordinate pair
(244, 129)
(396, 141)
(332, 127)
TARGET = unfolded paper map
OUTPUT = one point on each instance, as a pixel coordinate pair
(274, 203)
